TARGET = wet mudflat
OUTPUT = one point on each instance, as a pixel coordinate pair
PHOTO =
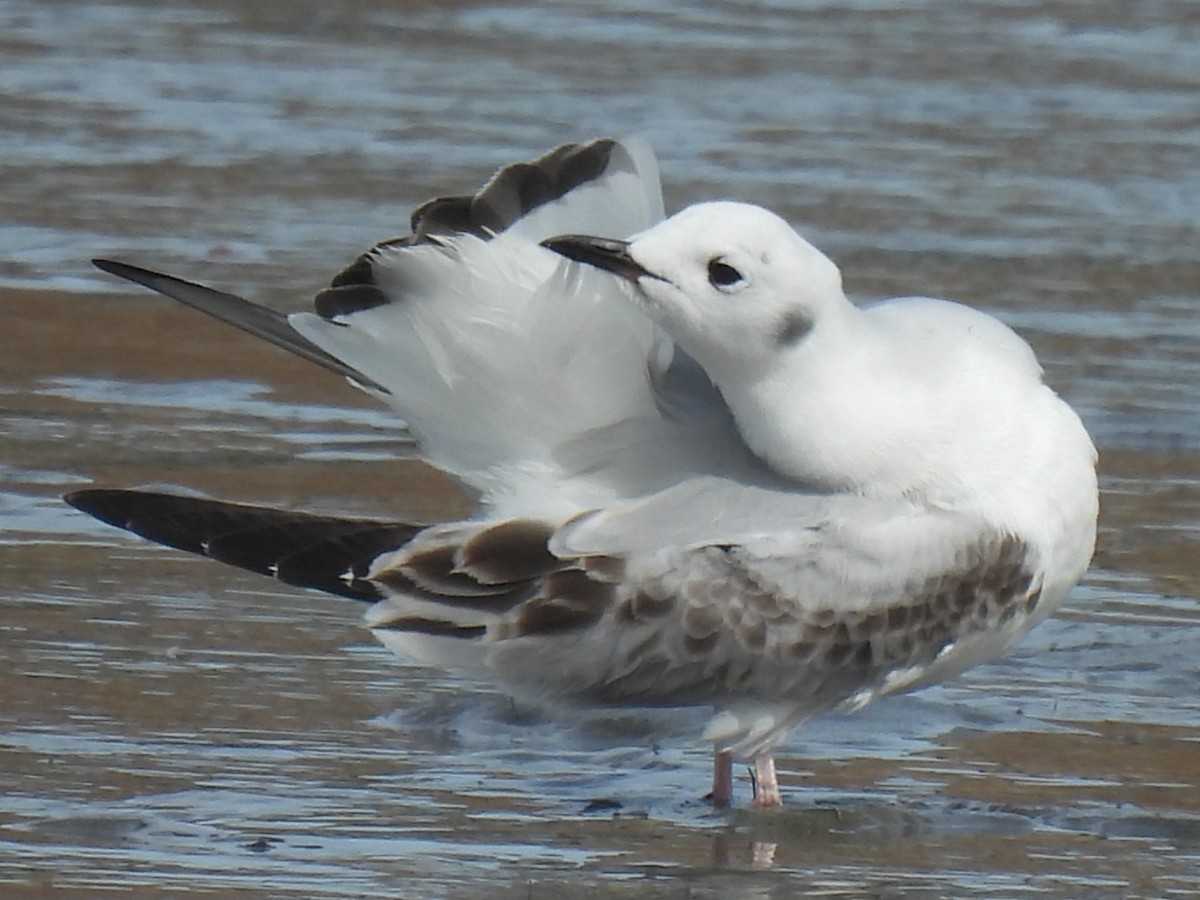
(170, 727)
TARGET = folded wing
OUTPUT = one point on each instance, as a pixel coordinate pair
(840, 603)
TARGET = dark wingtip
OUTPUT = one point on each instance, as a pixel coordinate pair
(147, 514)
(253, 318)
(327, 553)
(100, 504)
(127, 271)
(513, 192)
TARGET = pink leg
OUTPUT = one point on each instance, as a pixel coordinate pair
(766, 785)
(722, 788)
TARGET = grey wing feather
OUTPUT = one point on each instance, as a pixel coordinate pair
(572, 182)
(253, 318)
(706, 509)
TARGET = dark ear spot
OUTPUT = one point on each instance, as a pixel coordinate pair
(792, 328)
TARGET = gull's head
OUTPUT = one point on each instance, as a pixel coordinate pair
(731, 283)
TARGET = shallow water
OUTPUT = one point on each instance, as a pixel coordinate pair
(172, 727)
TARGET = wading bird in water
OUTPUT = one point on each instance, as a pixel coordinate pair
(706, 477)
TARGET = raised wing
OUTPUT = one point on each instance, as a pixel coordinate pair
(535, 382)
(538, 383)
(603, 184)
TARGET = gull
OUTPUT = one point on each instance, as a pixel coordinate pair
(705, 476)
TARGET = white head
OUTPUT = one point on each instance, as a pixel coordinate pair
(731, 283)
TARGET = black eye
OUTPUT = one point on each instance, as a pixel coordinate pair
(721, 274)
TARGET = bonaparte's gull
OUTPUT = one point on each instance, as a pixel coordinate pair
(706, 476)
